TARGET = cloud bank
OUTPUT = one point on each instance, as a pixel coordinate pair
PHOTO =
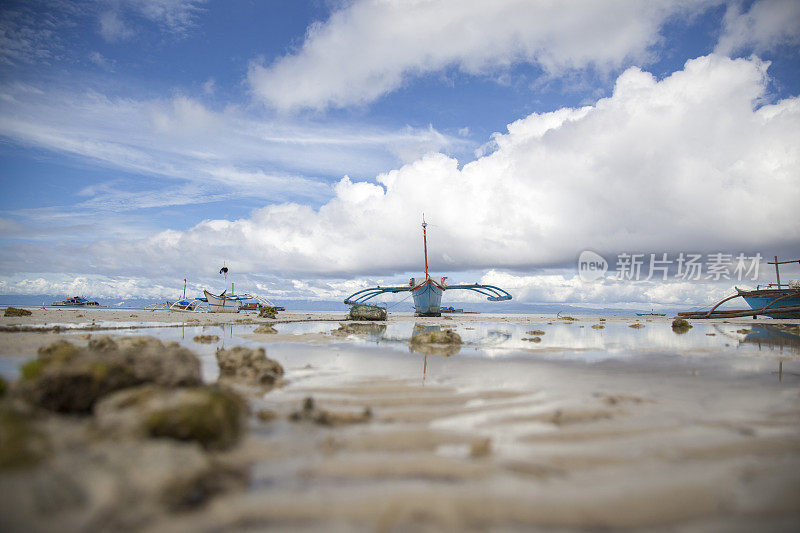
(686, 163)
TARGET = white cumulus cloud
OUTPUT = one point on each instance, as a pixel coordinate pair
(766, 25)
(687, 163)
(372, 47)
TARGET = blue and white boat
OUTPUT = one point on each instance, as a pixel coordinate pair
(776, 300)
(428, 292)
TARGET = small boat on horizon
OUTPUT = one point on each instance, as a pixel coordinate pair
(76, 301)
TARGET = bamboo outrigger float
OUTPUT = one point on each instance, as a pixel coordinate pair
(428, 292)
(776, 302)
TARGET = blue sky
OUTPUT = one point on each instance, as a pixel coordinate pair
(144, 141)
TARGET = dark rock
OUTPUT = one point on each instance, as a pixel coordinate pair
(251, 367)
(636, 326)
(367, 312)
(535, 332)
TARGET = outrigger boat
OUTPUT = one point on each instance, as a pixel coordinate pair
(231, 303)
(776, 300)
(428, 292)
(76, 301)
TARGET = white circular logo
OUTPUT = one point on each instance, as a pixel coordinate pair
(591, 266)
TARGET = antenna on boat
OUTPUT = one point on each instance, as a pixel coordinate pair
(425, 243)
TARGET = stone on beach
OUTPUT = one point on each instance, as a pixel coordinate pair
(209, 415)
(248, 366)
(358, 329)
(70, 379)
(205, 339)
(444, 336)
(266, 329)
(311, 413)
(680, 325)
(367, 312)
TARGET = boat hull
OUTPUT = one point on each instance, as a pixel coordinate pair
(221, 303)
(759, 299)
(427, 299)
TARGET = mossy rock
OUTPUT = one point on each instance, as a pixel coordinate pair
(69, 379)
(248, 366)
(598, 326)
(680, 325)
(363, 330)
(21, 444)
(267, 312)
(266, 329)
(568, 318)
(445, 336)
(212, 416)
(367, 312)
(535, 332)
(206, 339)
(14, 311)
(636, 326)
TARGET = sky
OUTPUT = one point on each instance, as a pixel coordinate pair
(147, 141)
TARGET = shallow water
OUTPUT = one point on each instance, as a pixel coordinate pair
(588, 428)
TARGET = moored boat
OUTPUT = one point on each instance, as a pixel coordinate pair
(76, 301)
(427, 293)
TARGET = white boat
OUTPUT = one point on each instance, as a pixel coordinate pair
(222, 303)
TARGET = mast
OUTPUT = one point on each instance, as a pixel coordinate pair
(425, 243)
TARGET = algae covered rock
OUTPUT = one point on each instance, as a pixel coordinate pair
(14, 311)
(212, 416)
(21, 444)
(679, 325)
(367, 312)
(363, 330)
(266, 329)
(70, 379)
(249, 366)
(267, 312)
(433, 336)
(636, 326)
(3, 387)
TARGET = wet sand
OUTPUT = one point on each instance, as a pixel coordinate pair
(610, 427)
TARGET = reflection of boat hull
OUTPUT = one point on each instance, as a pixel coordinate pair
(427, 298)
(761, 298)
(222, 303)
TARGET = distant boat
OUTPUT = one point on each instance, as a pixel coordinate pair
(231, 303)
(776, 300)
(428, 292)
(651, 314)
(76, 301)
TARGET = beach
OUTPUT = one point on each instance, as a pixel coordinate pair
(603, 422)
